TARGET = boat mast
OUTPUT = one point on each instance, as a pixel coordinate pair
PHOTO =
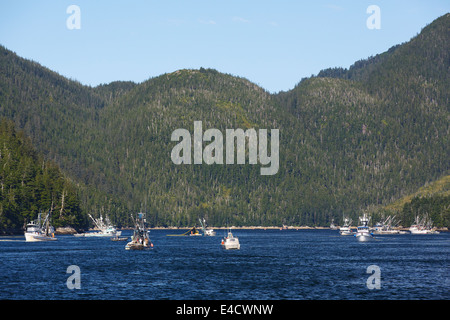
(46, 221)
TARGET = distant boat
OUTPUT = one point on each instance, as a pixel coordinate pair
(40, 231)
(206, 232)
(191, 232)
(230, 241)
(332, 225)
(362, 232)
(423, 226)
(210, 232)
(107, 229)
(194, 232)
(346, 230)
(385, 227)
(140, 239)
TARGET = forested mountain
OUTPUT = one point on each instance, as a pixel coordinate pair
(384, 122)
(350, 140)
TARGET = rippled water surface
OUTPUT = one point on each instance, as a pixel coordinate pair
(272, 264)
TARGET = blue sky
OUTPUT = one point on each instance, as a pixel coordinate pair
(272, 43)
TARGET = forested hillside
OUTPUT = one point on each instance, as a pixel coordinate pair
(385, 121)
(432, 199)
(30, 184)
(350, 140)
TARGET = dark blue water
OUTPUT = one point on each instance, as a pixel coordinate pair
(272, 264)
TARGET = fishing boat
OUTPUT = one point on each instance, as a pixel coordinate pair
(346, 230)
(191, 232)
(385, 226)
(333, 226)
(423, 226)
(230, 241)
(194, 232)
(206, 231)
(210, 232)
(362, 232)
(414, 229)
(105, 227)
(140, 239)
(40, 231)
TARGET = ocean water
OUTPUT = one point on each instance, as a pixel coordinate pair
(271, 265)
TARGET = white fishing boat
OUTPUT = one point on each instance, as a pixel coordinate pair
(423, 226)
(230, 241)
(385, 226)
(363, 232)
(206, 231)
(140, 239)
(417, 229)
(333, 226)
(40, 231)
(210, 232)
(105, 227)
(346, 230)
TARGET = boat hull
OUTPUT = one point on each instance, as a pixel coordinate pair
(33, 237)
(137, 246)
(101, 234)
(423, 232)
(363, 237)
(386, 232)
(231, 245)
(346, 231)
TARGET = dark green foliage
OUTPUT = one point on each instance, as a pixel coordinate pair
(436, 207)
(30, 184)
(349, 139)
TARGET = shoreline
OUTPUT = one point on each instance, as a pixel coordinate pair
(71, 231)
(444, 229)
